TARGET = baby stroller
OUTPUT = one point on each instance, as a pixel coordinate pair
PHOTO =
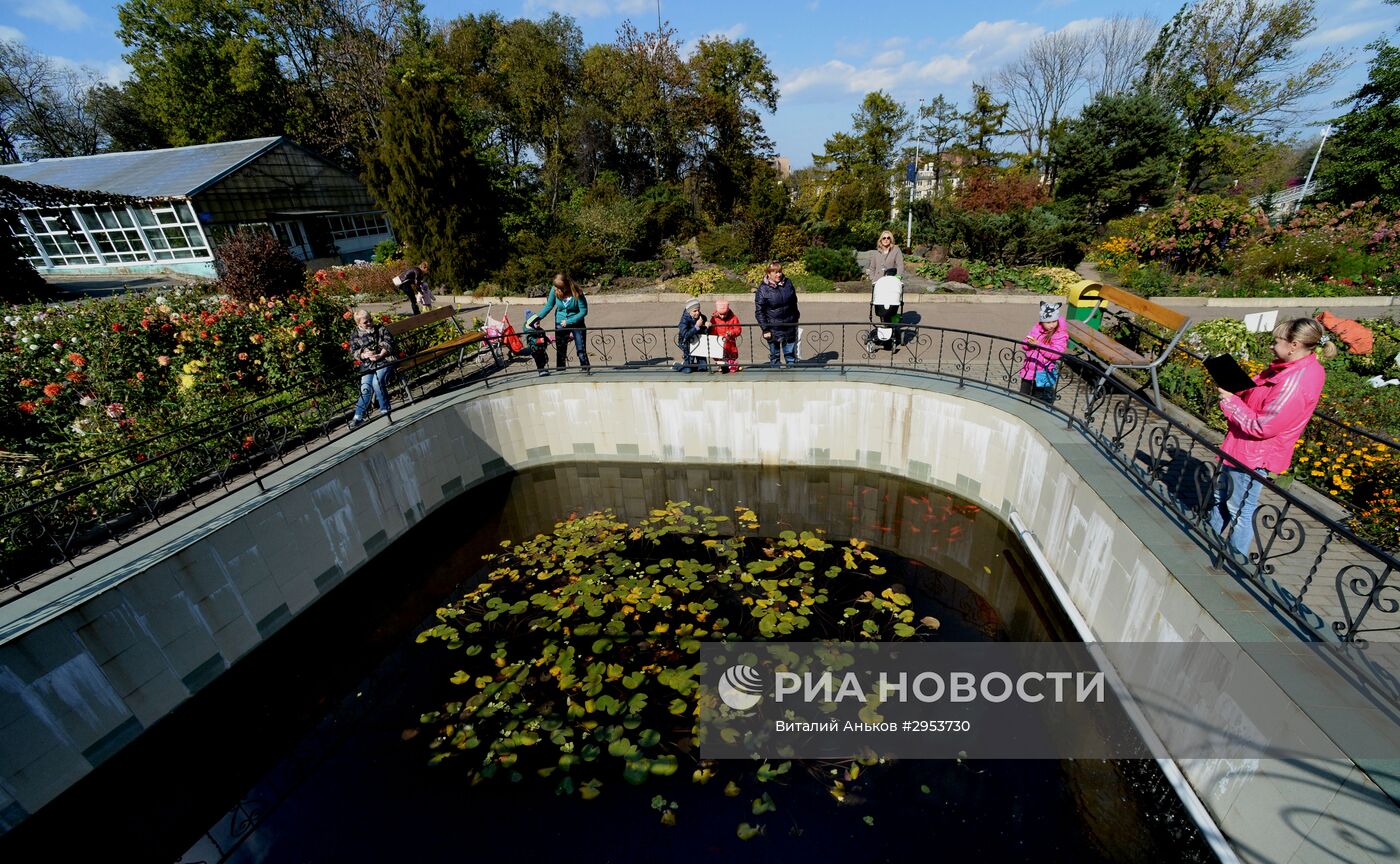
(886, 307)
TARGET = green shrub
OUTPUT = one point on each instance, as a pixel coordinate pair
(387, 251)
(1307, 255)
(811, 283)
(789, 242)
(254, 264)
(838, 265)
(724, 245)
(1149, 280)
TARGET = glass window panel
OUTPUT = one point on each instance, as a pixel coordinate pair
(145, 216)
(175, 237)
(156, 240)
(109, 218)
(193, 239)
(186, 215)
(124, 217)
(91, 220)
(167, 216)
(165, 256)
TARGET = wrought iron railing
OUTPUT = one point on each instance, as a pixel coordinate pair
(1326, 581)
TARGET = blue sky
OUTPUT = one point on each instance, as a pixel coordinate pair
(827, 54)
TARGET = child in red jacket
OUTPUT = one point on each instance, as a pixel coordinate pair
(725, 324)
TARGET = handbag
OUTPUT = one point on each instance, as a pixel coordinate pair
(1047, 377)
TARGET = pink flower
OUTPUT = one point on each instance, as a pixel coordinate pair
(163, 360)
(115, 410)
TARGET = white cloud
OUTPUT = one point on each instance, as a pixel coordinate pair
(852, 47)
(590, 8)
(110, 72)
(887, 58)
(945, 68)
(839, 76)
(992, 40)
(63, 14)
(1346, 33)
(895, 42)
(10, 34)
(730, 33)
(1082, 25)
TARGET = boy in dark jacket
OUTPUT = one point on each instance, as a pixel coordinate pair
(688, 332)
(775, 310)
(536, 341)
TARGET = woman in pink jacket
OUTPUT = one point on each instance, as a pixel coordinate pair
(1265, 423)
(1046, 342)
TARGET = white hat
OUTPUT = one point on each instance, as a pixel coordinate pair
(1049, 311)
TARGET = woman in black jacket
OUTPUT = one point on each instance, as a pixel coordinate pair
(775, 310)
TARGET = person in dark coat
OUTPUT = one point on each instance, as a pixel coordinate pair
(692, 326)
(411, 281)
(775, 310)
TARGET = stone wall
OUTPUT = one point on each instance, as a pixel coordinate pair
(89, 661)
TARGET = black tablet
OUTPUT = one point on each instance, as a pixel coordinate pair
(1227, 374)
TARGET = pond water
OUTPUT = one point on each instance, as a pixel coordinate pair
(310, 749)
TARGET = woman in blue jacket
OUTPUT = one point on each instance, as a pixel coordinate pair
(775, 310)
(570, 311)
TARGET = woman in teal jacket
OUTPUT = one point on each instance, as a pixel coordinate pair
(570, 311)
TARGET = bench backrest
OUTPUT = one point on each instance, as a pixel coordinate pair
(422, 319)
(1168, 318)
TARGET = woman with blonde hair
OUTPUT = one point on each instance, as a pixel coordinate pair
(570, 315)
(1265, 423)
(885, 258)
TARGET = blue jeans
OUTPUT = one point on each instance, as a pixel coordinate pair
(373, 383)
(1236, 499)
(561, 344)
(786, 342)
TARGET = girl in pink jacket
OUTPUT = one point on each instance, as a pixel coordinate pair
(1046, 342)
(1265, 423)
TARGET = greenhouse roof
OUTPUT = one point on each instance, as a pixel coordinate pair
(172, 173)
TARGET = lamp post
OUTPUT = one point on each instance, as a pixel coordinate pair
(1326, 130)
(914, 181)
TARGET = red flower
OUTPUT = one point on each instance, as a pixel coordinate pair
(27, 407)
(116, 327)
(76, 359)
(52, 390)
(140, 376)
(145, 323)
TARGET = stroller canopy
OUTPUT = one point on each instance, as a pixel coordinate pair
(888, 291)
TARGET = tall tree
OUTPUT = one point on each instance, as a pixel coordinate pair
(1118, 49)
(430, 175)
(46, 110)
(731, 82)
(983, 124)
(203, 68)
(1233, 70)
(1120, 153)
(1362, 159)
(1039, 84)
(939, 130)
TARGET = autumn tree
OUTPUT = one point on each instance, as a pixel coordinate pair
(1233, 71)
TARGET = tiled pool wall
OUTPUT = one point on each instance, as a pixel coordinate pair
(84, 669)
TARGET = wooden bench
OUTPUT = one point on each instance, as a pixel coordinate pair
(458, 343)
(1116, 355)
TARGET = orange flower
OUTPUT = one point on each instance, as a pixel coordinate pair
(76, 359)
(52, 390)
(75, 376)
(27, 407)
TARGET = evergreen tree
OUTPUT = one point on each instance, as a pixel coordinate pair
(982, 125)
(436, 182)
(1362, 159)
(1119, 153)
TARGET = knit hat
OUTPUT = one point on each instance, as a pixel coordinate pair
(721, 307)
(692, 303)
(531, 319)
(1049, 311)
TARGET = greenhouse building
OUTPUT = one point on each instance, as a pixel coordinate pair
(172, 207)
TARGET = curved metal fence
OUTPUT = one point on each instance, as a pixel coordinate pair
(1329, 583)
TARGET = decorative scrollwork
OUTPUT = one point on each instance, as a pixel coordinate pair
(603, 345)
(1125, 422)
(1367, 586)
(1274, 526)
(917, 346)
(1164, 448)
(965, 350)
(645, 344)
(819, 341)
(1012, 359)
